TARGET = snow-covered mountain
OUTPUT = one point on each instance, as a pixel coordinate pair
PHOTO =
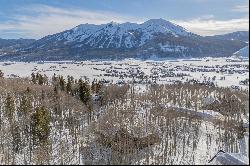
(115, 35)
(244, 52)
(122, 40)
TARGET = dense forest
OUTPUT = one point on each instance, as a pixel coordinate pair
(72, 121)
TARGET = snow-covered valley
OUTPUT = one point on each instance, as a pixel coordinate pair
(173, 112)
(222, 72)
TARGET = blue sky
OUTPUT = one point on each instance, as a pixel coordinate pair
(37, 18)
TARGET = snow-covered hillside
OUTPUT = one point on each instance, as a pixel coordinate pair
(244, 52)
(164, 125)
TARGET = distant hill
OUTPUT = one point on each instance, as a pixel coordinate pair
(15, 43)
(239, 35)
(156, 37)
(9, 46)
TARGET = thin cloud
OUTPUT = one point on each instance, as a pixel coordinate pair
(42, 20)
(37, 21)
(241, 8)
(211, 26)
(7, 26)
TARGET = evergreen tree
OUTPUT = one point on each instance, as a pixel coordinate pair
(69, 85)
(81, 90)
(40, 125)
(37, 76)
(56, 89)
(72, 79)
(33, 78)
(84, 92)
(62, 83)
(1, 74)
(93, 86)
(45, 79)
(40, 79)
(25, 105)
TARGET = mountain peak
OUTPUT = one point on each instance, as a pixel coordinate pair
(157, 21)
(113, 23)
(119, 35)
(153, 37)
(165, 26)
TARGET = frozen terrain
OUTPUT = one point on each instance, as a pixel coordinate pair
(244, 52)
(222, 72)
(183, 124)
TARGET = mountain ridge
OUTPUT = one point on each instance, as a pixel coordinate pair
(238, 35)
(124, 40)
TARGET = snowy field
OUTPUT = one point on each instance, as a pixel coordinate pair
(223, 72)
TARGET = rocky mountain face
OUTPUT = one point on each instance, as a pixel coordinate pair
(155, 37)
